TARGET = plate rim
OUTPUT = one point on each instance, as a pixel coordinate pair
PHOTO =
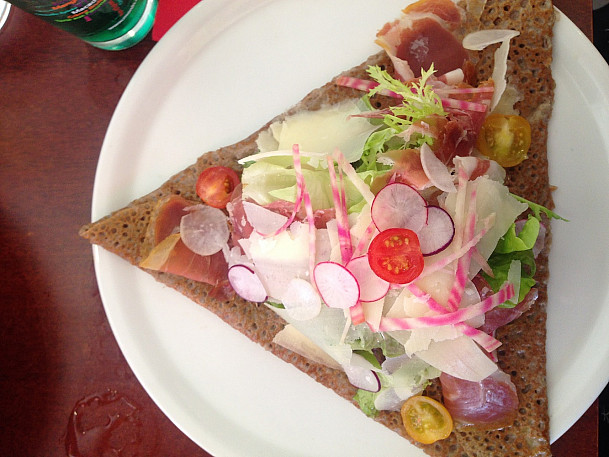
(173, 37)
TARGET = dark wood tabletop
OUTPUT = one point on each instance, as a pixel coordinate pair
(58, 355)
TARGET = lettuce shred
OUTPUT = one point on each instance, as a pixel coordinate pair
(419, 101)
(537, 209)
(365, 401)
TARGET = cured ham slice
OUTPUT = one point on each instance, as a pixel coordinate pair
(499, 317)
(443, 9)
(170, 254)
(239, 225)
(168, 215)
(489, 404)
(457, 132)
(424, 35)
(407, 169)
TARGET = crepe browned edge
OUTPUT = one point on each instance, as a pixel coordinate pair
(522, 354)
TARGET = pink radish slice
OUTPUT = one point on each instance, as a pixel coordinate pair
(204, 230)
(363, 378)
(337, 285)
(398, 205)
(371, 287)
(301, 300)
(246, 283)
(438, 232)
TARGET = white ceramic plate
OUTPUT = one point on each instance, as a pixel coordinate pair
(5, 10)
(224, 70)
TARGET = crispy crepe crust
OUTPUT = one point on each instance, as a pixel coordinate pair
(522, 354)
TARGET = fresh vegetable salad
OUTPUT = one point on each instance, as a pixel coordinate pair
(387, 240)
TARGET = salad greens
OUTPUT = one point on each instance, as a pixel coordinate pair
(365, 399)
(538, 209)
(418, 98)
(362, 346)
(419, 101)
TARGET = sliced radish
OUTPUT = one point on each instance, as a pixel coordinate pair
(301, 300)
(371, 287)
(262, 219)
(388, 400)
(436, 170)
(204, 230)
(246, 283)
(397, 205)
(363, 378)
(337, 285)
(438, 232)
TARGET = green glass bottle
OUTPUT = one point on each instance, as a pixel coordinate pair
(106, 24)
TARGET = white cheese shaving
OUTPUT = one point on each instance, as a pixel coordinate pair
(479, 40)
(322, 131)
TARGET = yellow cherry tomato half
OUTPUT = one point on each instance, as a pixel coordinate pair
(505, 138)
(426, 420)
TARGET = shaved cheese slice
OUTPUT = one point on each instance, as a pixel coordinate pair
(461, 358)
(421, 338)
(263, 220)
(293, 340)
(492, 198)
(160, 254)
(301, 300)
(479, 40)
(321, 131)
(278, 259)
(436, 170)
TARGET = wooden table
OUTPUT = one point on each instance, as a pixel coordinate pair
(58, 353)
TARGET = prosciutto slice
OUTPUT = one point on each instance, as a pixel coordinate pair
(499, 317)
(424, 35)
(170, 254)
(489, 404)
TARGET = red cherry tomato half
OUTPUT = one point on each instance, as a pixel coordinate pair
(395, 255)
(216, 184)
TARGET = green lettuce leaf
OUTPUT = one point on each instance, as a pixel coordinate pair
(418, 99)
(365, 401)
(361, 338)
(500, 264)
(538, 209)
(523, 241)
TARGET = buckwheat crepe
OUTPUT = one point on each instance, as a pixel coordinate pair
(522, 354)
